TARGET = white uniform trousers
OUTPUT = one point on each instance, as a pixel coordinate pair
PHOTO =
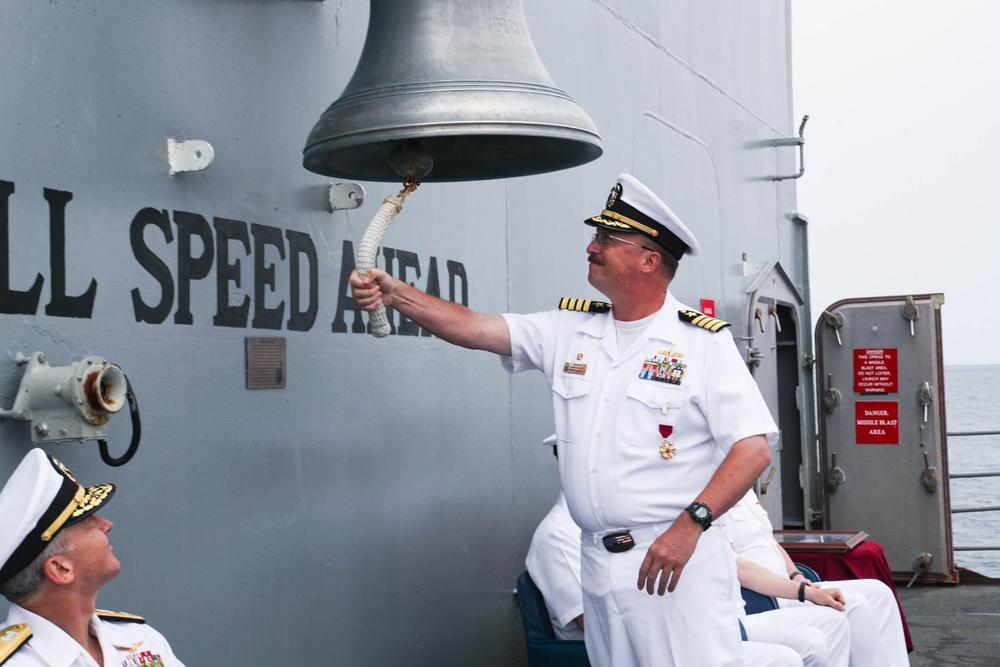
(694, 626)
(762, 654)
(885, 617)
(821, 635)
(876, 627)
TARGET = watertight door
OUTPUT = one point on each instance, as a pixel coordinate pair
(882, 434)
(773, 339)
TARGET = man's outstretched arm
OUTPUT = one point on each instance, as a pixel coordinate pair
(447, 320)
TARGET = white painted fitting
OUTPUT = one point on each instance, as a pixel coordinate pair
(191, 155)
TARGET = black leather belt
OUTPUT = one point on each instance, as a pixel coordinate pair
(618, 542)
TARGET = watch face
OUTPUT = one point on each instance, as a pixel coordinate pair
(701, 512)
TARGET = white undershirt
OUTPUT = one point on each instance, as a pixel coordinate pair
(628, 332)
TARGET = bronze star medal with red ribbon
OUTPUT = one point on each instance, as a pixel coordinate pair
(667, 450)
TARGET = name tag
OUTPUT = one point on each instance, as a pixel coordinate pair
(575, 369)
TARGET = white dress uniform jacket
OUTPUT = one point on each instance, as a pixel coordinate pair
(640, 434)
(124, 644)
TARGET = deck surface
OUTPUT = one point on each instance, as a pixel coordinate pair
(953, 625)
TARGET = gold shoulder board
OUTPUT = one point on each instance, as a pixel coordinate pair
(584, 305)
(119, 616)
(12, 638)
(701, 320)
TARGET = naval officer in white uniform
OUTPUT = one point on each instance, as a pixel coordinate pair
(54, 560)
(774, 638)
(660, 428)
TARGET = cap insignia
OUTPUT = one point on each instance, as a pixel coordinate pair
(584, 305)
(701, 320)
(615, 194)
(62, 469)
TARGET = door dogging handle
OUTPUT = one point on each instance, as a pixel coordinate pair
(929, 476)
(836, 476)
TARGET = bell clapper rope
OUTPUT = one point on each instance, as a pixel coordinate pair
(368, 251)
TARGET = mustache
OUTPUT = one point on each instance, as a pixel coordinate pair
(593, 259)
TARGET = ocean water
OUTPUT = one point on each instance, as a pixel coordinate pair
(972, 403)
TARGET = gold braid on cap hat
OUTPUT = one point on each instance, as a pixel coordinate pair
(629, 221)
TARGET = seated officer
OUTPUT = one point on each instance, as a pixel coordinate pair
(779, 637)
(872, 612)
(55, 559)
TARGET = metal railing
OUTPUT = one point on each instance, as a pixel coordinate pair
(970, 475)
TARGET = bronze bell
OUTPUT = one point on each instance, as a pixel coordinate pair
(449, 91)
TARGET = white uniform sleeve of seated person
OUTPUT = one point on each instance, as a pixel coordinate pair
(553, 562)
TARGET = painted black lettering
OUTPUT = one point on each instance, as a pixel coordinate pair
(229, 314)
(300, 243)
(60, 304)
(190, 267)
(13, 302)
(155, 266)
(458, 285)
(264, 276)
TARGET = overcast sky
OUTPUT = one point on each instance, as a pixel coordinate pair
(903, 156)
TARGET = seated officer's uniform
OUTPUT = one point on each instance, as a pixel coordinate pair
(39, 500)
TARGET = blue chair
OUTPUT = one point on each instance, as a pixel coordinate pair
(757, 602)
(808, 571)
(544, 650)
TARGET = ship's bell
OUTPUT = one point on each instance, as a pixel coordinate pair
(449, 90)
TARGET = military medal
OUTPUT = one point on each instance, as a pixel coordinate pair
(667, 450)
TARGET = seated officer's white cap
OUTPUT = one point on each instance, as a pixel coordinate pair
(632, 207)
(40, 499)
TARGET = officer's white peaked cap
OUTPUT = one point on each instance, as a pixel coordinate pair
(632, 207)
(40, 499)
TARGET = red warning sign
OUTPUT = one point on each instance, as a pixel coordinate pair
(877, 422)
(876, 371)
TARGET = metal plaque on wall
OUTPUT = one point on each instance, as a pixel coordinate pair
(265, 363)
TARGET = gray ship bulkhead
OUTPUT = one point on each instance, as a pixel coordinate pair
(378, 507)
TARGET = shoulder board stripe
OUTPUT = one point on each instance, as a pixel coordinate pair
(12, 638)
(701, 320)
(584, 305)
(119, 616)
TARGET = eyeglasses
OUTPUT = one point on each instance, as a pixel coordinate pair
(602, 238)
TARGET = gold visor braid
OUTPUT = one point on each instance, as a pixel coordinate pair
(629, 221)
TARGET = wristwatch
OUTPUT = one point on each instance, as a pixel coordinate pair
(701, 513)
